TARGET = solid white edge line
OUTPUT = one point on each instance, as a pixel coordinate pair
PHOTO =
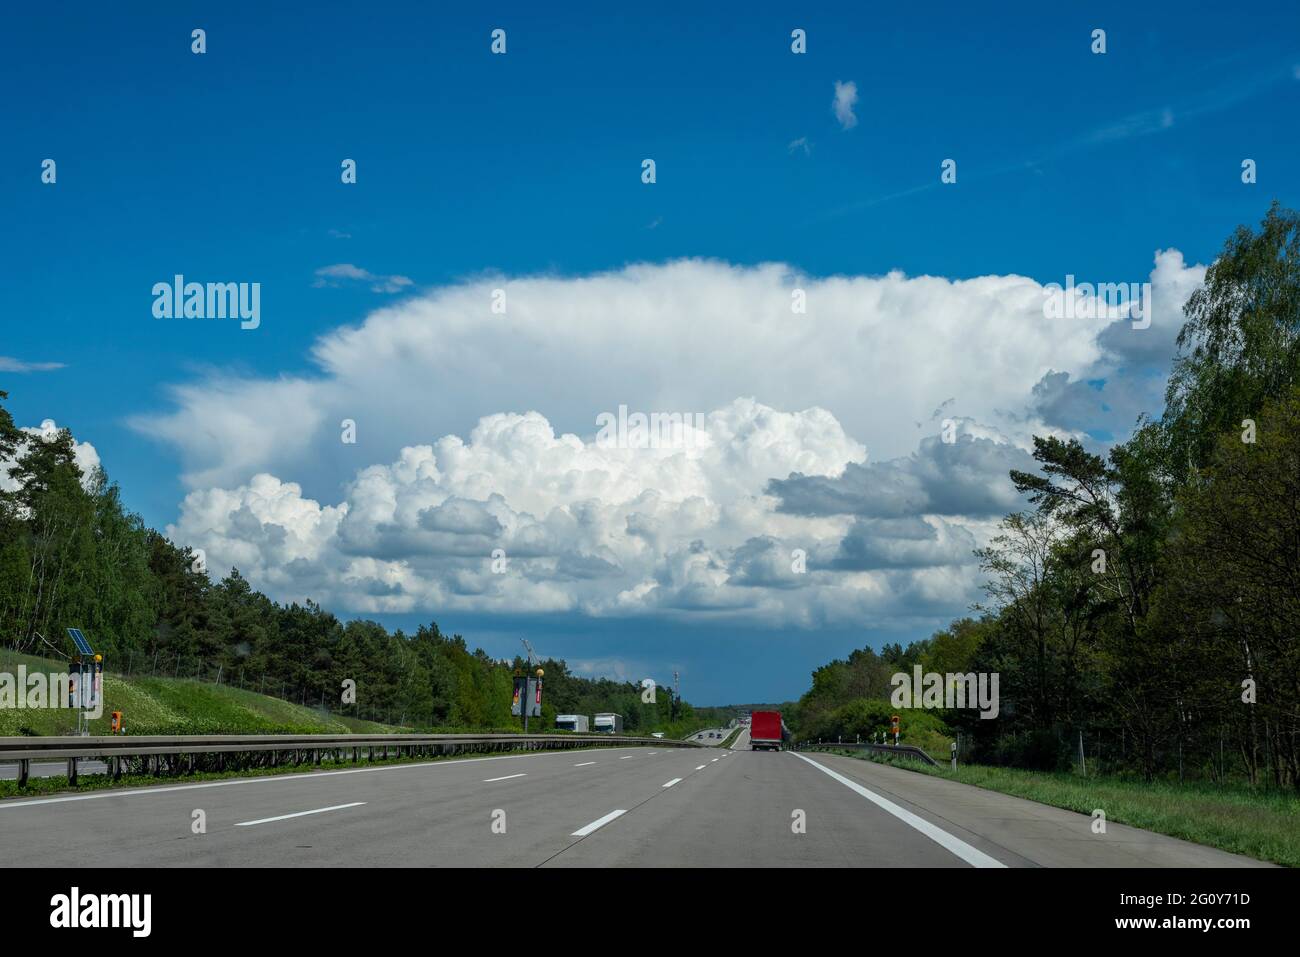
(955, 845)
(597, 824)
(672, 782)
(521, 774)
(285, 817)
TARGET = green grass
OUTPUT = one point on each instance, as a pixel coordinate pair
(176, 706)
(1263, 823)
(731, 738)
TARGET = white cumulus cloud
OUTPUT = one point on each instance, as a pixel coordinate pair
(823, 435)
(846, 97)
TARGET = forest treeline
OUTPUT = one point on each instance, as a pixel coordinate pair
(72, 556)
(1145, 603)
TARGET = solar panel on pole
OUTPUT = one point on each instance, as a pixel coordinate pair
(80, 641)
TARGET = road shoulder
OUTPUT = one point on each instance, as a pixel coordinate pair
(1023, 833)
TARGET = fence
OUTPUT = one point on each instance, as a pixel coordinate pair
(902, 750)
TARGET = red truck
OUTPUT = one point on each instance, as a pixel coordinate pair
(766, 731)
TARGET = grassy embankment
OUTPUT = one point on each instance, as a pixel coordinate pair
(176, 706)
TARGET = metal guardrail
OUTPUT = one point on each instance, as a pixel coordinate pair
(267, 749)
(903, 750)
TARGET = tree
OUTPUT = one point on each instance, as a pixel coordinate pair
(1240, 345)
(1235, 591)
(56, 532)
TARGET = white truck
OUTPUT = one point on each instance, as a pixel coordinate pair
(609, 723)
(572, 722)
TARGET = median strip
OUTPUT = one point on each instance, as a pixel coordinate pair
(285, 817)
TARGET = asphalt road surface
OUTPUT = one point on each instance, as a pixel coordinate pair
(596, 808)
(706, 736)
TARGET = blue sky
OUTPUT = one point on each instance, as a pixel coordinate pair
(472, 167)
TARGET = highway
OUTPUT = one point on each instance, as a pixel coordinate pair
(706, 736)
(616, 807)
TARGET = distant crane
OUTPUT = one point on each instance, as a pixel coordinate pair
(532, 656)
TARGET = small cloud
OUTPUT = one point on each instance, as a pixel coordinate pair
(846, 97)
(801, 144)
(339, 234)
(331, 277)
(391, 284)
(342, 271)
(9, 364)
(1166, 118)
(654, 223)
(615, 669)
